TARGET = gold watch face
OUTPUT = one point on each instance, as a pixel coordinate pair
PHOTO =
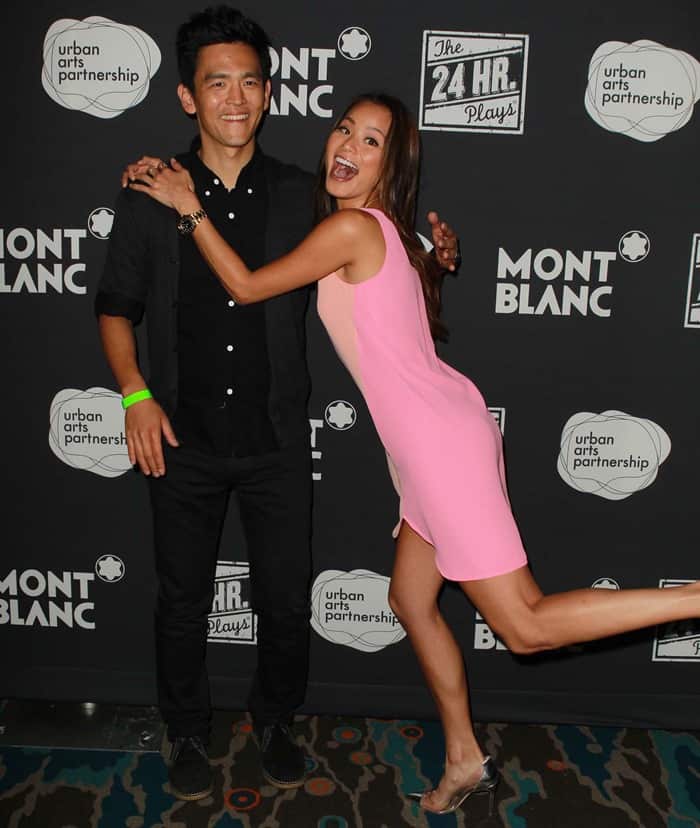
(185, 225)
(188, 222)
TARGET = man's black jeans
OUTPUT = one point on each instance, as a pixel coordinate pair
(189, 505)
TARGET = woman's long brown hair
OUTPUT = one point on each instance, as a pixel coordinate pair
(395, 194)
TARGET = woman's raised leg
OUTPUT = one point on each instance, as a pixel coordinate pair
(528, 621)
(415, 584)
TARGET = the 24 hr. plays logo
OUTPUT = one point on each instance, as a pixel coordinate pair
(679, 640)
(692, 307)
(473, 82)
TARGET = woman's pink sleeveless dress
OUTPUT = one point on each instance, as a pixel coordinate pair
(443, 444)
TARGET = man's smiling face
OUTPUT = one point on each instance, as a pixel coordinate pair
(229, 97)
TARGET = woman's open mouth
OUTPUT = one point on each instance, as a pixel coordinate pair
(342, 169)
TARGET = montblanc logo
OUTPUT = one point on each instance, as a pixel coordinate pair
(634, 246)
(42, 261)
(110, 568)
(354, 43)
(37, 598)
(553, 282)
(340, 415)
(98, 66)
(100, 222)
(302, 77)
(35, 260)
(643, 90)
(484, 637)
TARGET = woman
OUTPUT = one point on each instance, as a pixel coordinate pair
(378, 297)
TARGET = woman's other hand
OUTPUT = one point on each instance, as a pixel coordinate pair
(170, 185)
(445, 242)
(146, 166)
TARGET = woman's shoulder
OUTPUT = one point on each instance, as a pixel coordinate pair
(354, 221)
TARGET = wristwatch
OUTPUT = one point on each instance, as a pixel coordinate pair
(189, 221)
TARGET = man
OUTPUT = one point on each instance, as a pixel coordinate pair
(225, 409)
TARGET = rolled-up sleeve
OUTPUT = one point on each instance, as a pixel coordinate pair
(124, 282)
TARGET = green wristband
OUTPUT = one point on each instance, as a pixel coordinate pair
(137, 396)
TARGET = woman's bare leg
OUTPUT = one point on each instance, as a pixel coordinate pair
(415, 584)
(528, 621)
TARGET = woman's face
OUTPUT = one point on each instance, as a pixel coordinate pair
(355, 153)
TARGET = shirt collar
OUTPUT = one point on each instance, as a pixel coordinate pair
(202, 174)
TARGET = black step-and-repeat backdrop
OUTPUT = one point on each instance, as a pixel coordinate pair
(561, 141)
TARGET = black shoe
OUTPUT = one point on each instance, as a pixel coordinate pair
(283, 760)
(189, 772)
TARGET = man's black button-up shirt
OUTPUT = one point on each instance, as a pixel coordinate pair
(223, 363)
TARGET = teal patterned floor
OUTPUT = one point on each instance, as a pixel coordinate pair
(359, 771)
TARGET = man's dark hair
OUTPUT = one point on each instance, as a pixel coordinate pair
(218, 24)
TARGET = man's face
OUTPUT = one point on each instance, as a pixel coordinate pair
(229, 96)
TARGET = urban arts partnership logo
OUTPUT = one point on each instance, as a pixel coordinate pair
(473, 82)
(692, 305)
(352, 609)
(611, 454)
(678, 640)
(551, 282)
(231, 620)
(86, 431)
(643, 90)
(32, 598)
(98, 66)
(301, 77)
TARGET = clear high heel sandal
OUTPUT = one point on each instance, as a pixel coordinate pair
(488, 782)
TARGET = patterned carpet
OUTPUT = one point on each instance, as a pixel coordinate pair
(359, 771)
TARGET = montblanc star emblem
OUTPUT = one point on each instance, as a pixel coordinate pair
(634, 246)
(110, 568)
(354, 43)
